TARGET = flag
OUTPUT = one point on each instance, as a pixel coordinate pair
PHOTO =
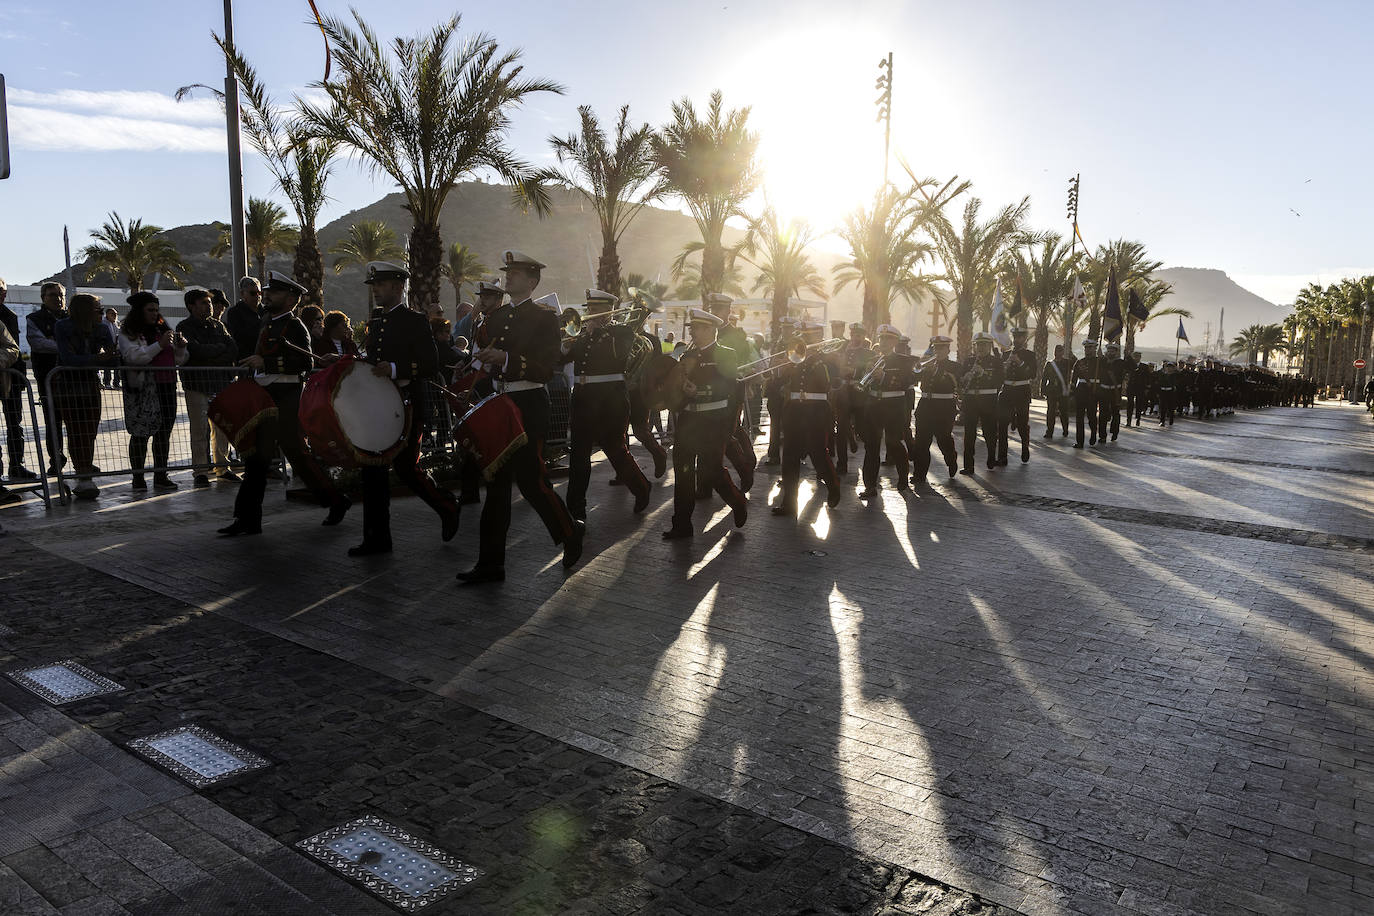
(1079, 234)
(999, 319)
(1182, 334)
(1137, 308)
(1017, 305)
(1080, 298)
(1111, 314)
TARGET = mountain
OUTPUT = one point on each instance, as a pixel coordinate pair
(483, 217)
(1205, 292)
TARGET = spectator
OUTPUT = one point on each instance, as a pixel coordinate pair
(12, 395)
(312, 316)
(668, 343)
(112, 378)
(462, 320)
(9, 355)
(244, 318)
(150, 395)
(84, 345)
(218, 303)
(336, 339)
(207, 344)
(41, 330)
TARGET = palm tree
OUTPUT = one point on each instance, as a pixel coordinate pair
(1133, 266)
(462, 266)
(779, 253)
(427, 112)
(1046, 270)
(266, 231)
(687, 273)
(130, 251)
(367, 240)
(1258, 341)
(653, 288)
(972, 253)
(611, 178)
(711, 165)
(887, 252)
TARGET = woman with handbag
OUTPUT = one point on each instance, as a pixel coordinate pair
(150, 394)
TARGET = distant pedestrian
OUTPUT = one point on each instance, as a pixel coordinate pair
(84, 345)
(112, 378)
(336, 341)
(150, 394)
(208, 344)
(244, 318)
(41, 335)
(12, 394)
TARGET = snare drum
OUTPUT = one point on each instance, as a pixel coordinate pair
(353, 418)
(246, 414)
(492, 431)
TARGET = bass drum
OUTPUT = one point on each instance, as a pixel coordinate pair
(351, 418)
(660, 382)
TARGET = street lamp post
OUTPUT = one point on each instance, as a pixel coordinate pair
(884, 103)
(238, 240)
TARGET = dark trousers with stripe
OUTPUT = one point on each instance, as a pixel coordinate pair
(598, 417)
(699, 449)
(807, 428)
(406, 464)
(934, 423)
(1013, 410)
(980, 410)
(1060, 406)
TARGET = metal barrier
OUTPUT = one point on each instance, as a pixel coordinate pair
(21, 392)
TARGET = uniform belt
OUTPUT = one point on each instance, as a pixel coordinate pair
(521, 385)
(598, 379)
(1112, 386)
(708, 405)
(985, 391)
(1162, 388)
(807, 396)
(937, 397)
(1019, 384)
(1087, 381)
(892, 394)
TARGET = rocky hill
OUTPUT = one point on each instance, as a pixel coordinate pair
(1205, 292)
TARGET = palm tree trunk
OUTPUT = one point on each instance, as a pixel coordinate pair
(870, 309)
(308, 265)
(1042, 338)
(608, 268)
(712, 268)
(131, 277)
(779, 313)
(1130, 336)
(262, 269)
(964, 317)
(426, 256)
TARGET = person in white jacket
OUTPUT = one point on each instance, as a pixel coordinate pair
(150, 394)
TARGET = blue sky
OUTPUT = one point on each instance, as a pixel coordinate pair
(1222, 134)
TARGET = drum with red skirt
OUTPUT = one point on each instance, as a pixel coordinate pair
(351, 417)
(246, 414)
(492, 431)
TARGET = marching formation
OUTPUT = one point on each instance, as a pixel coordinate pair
(826, 399)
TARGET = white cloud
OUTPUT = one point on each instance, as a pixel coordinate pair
(64, 131)
(121, 103)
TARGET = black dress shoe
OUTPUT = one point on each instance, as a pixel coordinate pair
(1078, 445)
(642, 500)
(677, 534)
(366, 550)
(479, 574)
(572, 544)
(832, 498)
(966, 471)
(337, 513)
(450, 524)
(240, 527)
(868, 493)
(660, 466)
(741, 513)
(783, 510)
(953, 469)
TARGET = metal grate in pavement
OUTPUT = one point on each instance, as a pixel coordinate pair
(400, 868)
(63, 682)
(198, 756)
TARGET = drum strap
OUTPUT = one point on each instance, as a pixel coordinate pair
(521, 385)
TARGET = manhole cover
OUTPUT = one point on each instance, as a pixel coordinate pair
(64, 681)
(400, 868)
(196, 755)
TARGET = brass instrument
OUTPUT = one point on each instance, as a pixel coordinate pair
(573, 320)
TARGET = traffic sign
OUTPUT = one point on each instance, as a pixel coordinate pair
(1359, 364)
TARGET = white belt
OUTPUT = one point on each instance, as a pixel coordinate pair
(807, 396)
(985, 391)
(1111, 386)
(1166, 389)
(892, 394)
(1086, 381)
(937, 397)
(521, 385)
(709, 405)
(1016, 384)
(597, 379)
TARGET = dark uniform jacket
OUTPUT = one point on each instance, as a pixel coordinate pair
(277, 357)
(207, 344)
(529, 335)
(1024, 371)
(601, 351)
(1114, 372)
(811, 376)
(403, 337)
(243, 325)
(940, 377)
(989, 379)
(1087, 374)
(897, 372)
(1057, 384)
(714, 370)
(734, 338)
(1141, 376)
(857, 360)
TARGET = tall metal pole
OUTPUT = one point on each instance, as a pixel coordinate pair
(238, 237)
(884, 103)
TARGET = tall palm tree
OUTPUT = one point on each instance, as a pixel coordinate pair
(1133, 266)
(971, 254)
(1258, 341)
(616, 179)
(427, 112)
(367, 240)
(710, 163)
(266, 231)
(1046, 269)
(462, 266)
(130, 251)
(778, 250)
(654, 288)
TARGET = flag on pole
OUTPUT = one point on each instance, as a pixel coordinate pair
(1182, 334)
(1111, 314)
(999, 319)
(1079, 234)
(1017, 306)
(1137, 307)
(1080, 298)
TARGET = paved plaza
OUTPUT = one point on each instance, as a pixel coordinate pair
(1135, 678)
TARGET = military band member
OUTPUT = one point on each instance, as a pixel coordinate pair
(1087, 375)
(808, 420)
(857, 358)
(1013, 404)
(1138, 386)
(600, 405)
(399, 343)
(981, 384)
(739, 449)
(281, 357)
(639, 407)
(885, 415)
(1168, 389)
(1054, 388)
(521, 352)
(704, 424)
(936, 410)
(1114, 373)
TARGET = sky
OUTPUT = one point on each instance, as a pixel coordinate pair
(1229, 135)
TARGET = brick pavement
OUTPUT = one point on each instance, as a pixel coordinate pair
(1063, 711)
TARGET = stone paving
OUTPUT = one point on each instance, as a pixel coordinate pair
(1134, 678)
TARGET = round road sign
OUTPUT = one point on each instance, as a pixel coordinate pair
(1359, 364)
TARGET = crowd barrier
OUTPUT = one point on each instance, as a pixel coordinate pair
(21, 439)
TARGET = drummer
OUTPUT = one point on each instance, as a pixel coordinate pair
(519, 344)
(400, 345)
(600, 407)
(281, 357)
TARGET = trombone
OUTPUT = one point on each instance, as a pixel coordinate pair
(796, 354)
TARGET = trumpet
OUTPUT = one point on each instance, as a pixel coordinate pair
(573, 320)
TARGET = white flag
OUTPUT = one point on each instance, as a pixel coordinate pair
(1080, 298)
(999, 319)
